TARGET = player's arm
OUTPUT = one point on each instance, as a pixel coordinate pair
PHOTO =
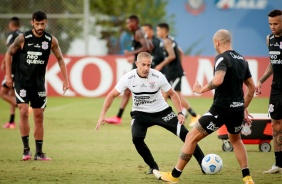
(268, 72)
(177, 104)
(107, 104)
(143, 41)
(171, 54)
(214, 83)
(57, 52)
(17, 45)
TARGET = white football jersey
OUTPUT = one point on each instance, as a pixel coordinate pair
(146, 92)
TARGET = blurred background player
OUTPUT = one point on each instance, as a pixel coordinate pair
(274, 44)
(7, 93)
(174, 68)
(139, 44)
(34, 46)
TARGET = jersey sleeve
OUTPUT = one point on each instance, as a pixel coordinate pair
(164, 85)
(220, 64)
(248, 72)
(10, 39)
(122, 84)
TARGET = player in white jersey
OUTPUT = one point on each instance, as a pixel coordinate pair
(149, 107)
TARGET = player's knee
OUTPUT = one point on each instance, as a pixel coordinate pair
(24, 112)
(138, 140)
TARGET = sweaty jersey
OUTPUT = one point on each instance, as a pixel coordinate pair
(157, 52)
(33, 61)
(275, 54)
(174, 67)
(10, 39)
(230, 95)
(146, 92)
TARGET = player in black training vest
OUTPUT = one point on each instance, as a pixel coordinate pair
(34, 46)
(139, 44)
(5, 92)
(274, 43)
(229, 107)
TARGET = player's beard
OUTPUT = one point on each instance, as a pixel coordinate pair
(39, 31)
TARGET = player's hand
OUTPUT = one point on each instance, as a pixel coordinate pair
(9, 81)
(181, 119)
(65, 86)
(158, 67)
(100, 122)
(247, 117)
(127, 53)
(197, 88)
(258, 88)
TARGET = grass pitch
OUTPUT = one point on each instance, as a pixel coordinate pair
(82, 155)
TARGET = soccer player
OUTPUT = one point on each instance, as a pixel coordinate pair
(274, 44)
(149, 107)
(34, 46)
(229, 107)
(8, 93)
(175, 71)
(139, 44)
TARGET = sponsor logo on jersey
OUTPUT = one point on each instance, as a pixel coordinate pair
(236, 56)
(37, 45)
(246, 129)
(48, 37)
(271, 108)
(44, 45)
(212, 127)
(42, 94)
(28, 36)
(195, 7)
(152, 85)
(274, 52)
(23, 93)
(32, 58)
(143, 85)
(169, 116)
(236, 104)
(140, 101)
(241, 4)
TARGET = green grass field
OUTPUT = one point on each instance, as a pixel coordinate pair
(82, 155)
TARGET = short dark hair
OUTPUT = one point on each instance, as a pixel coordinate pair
(164, 25)
(148, 25)
(275, 13)
(15, 21)
(39, 15)
(134, 17)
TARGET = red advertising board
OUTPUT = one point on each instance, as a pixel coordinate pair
(96, 76)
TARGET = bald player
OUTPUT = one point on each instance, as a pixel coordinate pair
(229, 107)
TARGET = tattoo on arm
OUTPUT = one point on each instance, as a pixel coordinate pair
(16, 45)
(211, 85)
(185, 156)
(267, 74)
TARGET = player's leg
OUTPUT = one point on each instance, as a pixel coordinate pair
(8, 96)
(139, 131)
(124, 101)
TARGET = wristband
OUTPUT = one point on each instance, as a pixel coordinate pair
(181, 113)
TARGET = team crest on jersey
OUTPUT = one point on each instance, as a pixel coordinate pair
(271, 108)
(44, 45)
(152, 84)
(23, 93)
(246, 129)
(280, 45)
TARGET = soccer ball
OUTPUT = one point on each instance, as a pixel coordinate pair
(212, 164)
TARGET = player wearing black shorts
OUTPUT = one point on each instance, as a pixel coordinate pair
(229, 105)
(139, 44)
(34, 46)
(149, 107)
(174, 72)
(8, 93)
(274, 43)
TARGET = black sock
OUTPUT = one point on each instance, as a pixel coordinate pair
(245, 172)
(120, 112)
(278, 159)
(176, 173)
(38, 144)
(25, 141)
(12, 118)
(192, 112)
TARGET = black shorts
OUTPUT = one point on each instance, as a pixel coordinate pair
(37, 99)
(275, 104)
(175, 83)
(215, 118)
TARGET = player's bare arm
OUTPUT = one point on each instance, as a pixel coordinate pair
(177, 104)
(171, 54)
(214, 83)
(107, 104)
(17, 45)
(248, 97)
(58, 53)
(139, 36)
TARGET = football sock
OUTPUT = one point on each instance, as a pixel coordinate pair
(184, 111)
(12, 118)
(176, 173)
(38, 144)
(120, 112)
(192, 112)
(25, 141)
(245, 172)
(278, 159)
